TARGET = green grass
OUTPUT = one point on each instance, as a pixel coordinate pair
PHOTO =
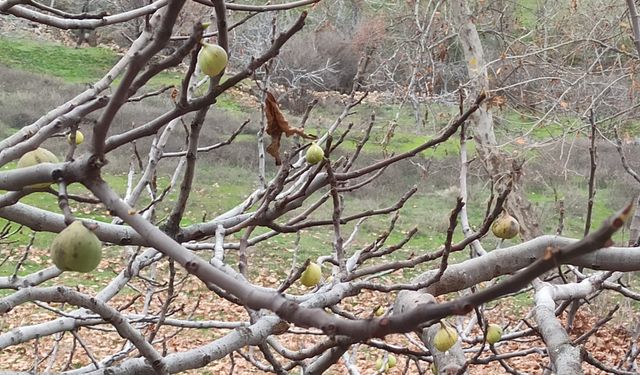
(73, 65)
(225, 102)
(526, 13)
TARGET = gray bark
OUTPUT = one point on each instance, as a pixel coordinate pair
(565, 357)
(453, 359)
(481, 121)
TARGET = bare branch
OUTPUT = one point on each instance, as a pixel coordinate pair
(81, 22)
(62, 294)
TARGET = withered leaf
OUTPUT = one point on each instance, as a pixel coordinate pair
(276, 125)
(497, 101)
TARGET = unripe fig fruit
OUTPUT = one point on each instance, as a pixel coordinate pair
(391, 361)
(311, 275)
(315, 154)
(35, 157)
(79, 137)
(76, 248)
(506, 226)
(379, 362)
(494, 333)
(379, 311)
(445, 338)
(212, 59)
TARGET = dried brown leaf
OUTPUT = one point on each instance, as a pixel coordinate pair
(276, 125)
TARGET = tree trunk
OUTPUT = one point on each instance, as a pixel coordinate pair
(500, 166)
(634, 227)
(450, 362)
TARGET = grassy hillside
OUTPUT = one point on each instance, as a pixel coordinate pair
(73, 65)
(70, 64)
(230, 174)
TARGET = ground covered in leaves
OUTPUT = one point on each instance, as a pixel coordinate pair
(192, 301)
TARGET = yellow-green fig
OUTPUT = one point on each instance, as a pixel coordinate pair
(311, 275)
(315, 154)
(494, 333)
(79, 137)
(391, 361)
(378, 311)
(76, 248)
(35, 157)
(379, 362)
(212, 59)
(445, 338)
(506, 226)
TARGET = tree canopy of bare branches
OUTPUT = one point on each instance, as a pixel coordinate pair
(435, 53)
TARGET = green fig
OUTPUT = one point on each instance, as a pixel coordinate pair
(378, 311)
(79, 137)
(76, 248)
(391, 361)
(311, 275)
(212, 59)
(506, 226)
(445, 338)
(35, 157)
(494, 333)
(315, 154)
(379, 363)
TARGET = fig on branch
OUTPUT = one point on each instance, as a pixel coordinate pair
(315, 154)
(445, 338)
(212, 59)
(76, 248)
(79, 138)
(494, 333)
(379, 362)
(311, 275)
(391, 363)
(379, 311)
(35, 157)
(506, 226)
